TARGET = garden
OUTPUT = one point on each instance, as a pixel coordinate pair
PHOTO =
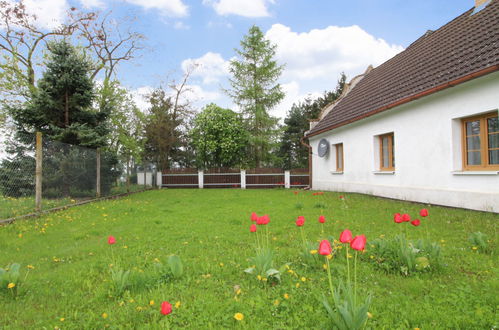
(255, 259)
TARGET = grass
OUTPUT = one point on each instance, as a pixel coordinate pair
(70, 285)
(13, 207)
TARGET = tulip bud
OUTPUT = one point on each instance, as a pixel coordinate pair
(423, 212)
(322, 219)
(111, 240)
(415, 222)
(166, 308)
(325, 248)
(346, 236)
(253, 228)
(358, 243)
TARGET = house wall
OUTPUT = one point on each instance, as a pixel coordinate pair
(428, 165)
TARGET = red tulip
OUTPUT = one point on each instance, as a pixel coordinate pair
(322, 219)
(253, 228)
(325, 248)
(263, 220)
(295, 192)
(406, 217)
(300, 221)
(415, 222)
(111, 240)
(346, 236)
(166, 308)
(423, 212)
(341, 197)
(254, 217)
(358, 243)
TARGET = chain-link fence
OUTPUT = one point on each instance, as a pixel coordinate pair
(38, 174)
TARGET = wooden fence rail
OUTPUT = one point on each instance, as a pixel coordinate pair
(234, 178)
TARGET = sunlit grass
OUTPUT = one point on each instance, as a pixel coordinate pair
(70, 286)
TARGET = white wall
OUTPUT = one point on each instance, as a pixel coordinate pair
(427, 135)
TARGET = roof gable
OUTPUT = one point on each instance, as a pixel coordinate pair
(461, 50)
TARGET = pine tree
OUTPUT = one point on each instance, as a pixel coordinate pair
(256, 91)
(61, 107)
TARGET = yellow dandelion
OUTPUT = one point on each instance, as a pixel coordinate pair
(221, 264)
(329, 256)
(238, 292)
(474, 248)
(264, 279)
(62, 319)
(11, 285)
(297, 285)
(417, 329)
(177, 304)
(276, 302)
(104, 315)
(125, 247)
(156, 260)
(131, 301)
(151, 303)
(303, 279)
(313, 251)
(259, 277)
(274, 238)
(286, 296)
(372, 257)
(369, 315)
(30, 267)
(138, 308)
(350, 256)
(122, 303)
(324, 266)
(239, 316)
(20, 235)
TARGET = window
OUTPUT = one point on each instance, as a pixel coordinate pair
(339, 157)
(386, 152)
(481, 142)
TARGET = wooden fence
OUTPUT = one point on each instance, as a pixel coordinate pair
(235, 178)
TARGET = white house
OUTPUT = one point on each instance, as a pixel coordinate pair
(423, 126)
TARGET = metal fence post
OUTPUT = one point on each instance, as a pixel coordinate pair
(243, 179)
(287, 179)
(200, 179)
(98, 192)
(38, 172)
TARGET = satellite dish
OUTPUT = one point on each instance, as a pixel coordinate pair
(323, 148)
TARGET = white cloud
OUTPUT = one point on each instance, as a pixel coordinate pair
(49, 14)
(324, 53)
(211, 67)
(93, 4)
(139, 96)
(181, 26)
(172, 8)
(251, 8)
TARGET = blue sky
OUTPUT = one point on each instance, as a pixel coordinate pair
(316, 39)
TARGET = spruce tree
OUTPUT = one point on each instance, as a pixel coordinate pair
(61, 107)
(256, 91)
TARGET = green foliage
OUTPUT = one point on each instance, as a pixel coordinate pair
(256, 91)
(120, 280)
(293, 153)
(263, 266)
(219, 138)
(173, 268)
(346, 313)
(398, 255)
(479, 241)
(10, 275)
(310, 256)
(165, 129)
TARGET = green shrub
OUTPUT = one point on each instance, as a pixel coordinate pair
(479, 242)
(398, 255)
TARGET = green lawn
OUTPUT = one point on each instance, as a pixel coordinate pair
(14, 207)
(70, 285)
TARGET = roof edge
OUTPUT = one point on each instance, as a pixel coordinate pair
(408, 99)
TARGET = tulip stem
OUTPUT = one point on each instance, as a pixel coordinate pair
(322, 228)
(348, 265)
(303, 238)
(355, 281)
(329, 276)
